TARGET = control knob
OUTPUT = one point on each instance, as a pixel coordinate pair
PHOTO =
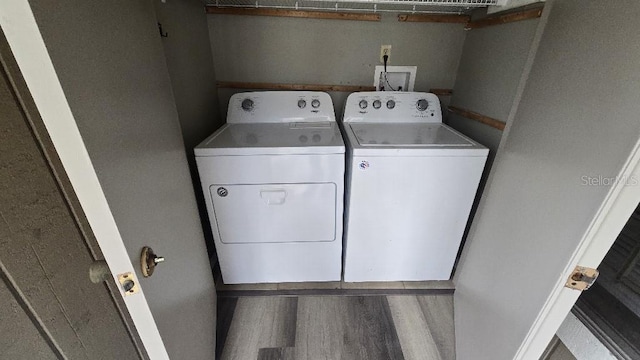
(391, 104)
(363, 104)
(247, 104)
(377, 104)
(302, 104)
(315, 103)
(422, 104)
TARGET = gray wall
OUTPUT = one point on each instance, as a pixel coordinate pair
(111, 64)
(312, 51)
(190, 63)
(578, 116)
(492, 63)
(491, 66)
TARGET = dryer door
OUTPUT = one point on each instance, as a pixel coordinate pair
(275, 213)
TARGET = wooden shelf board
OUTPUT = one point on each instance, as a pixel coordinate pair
(306, 87)
(505, 18)
(435, 18)
(494, 123)
(331, 15)
(441, 92)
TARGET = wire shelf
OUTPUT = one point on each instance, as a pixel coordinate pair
(397, 6)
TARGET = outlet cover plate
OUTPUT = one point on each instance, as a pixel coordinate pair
(385, 49)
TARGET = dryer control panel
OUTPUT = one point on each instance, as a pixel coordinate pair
(280, 107)
(387, 106)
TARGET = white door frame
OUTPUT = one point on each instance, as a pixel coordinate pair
(621, 201)
(28, 47)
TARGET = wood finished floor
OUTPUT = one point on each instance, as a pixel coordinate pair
(409, 327)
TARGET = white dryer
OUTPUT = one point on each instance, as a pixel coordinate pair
(411, 185)
(273, 179)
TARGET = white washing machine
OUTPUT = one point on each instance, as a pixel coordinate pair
(273, 179)
(411, 184)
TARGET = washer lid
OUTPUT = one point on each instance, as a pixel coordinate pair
(407, 135)
(274, 138)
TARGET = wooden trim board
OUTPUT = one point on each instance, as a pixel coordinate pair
(435, 18)
(494, 123)
(344, 15)
(441, 92)
(327, 15)
(505, 18)
(310, 87)
(305, 87)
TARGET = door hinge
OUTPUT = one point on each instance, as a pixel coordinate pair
(582, 278)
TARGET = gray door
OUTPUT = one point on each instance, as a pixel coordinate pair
(97, 73)
(49, 307)
(572, 139)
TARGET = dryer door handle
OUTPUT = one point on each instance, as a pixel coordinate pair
(273, 196)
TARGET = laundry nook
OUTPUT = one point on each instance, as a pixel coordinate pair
(320, 179)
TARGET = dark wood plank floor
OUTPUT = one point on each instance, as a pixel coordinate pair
(411, 327)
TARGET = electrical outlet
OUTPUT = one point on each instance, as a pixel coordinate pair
(385, 50)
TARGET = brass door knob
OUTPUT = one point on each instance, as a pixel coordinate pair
(148, 261)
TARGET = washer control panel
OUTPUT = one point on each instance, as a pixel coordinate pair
(381, 106)
(280, 106)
